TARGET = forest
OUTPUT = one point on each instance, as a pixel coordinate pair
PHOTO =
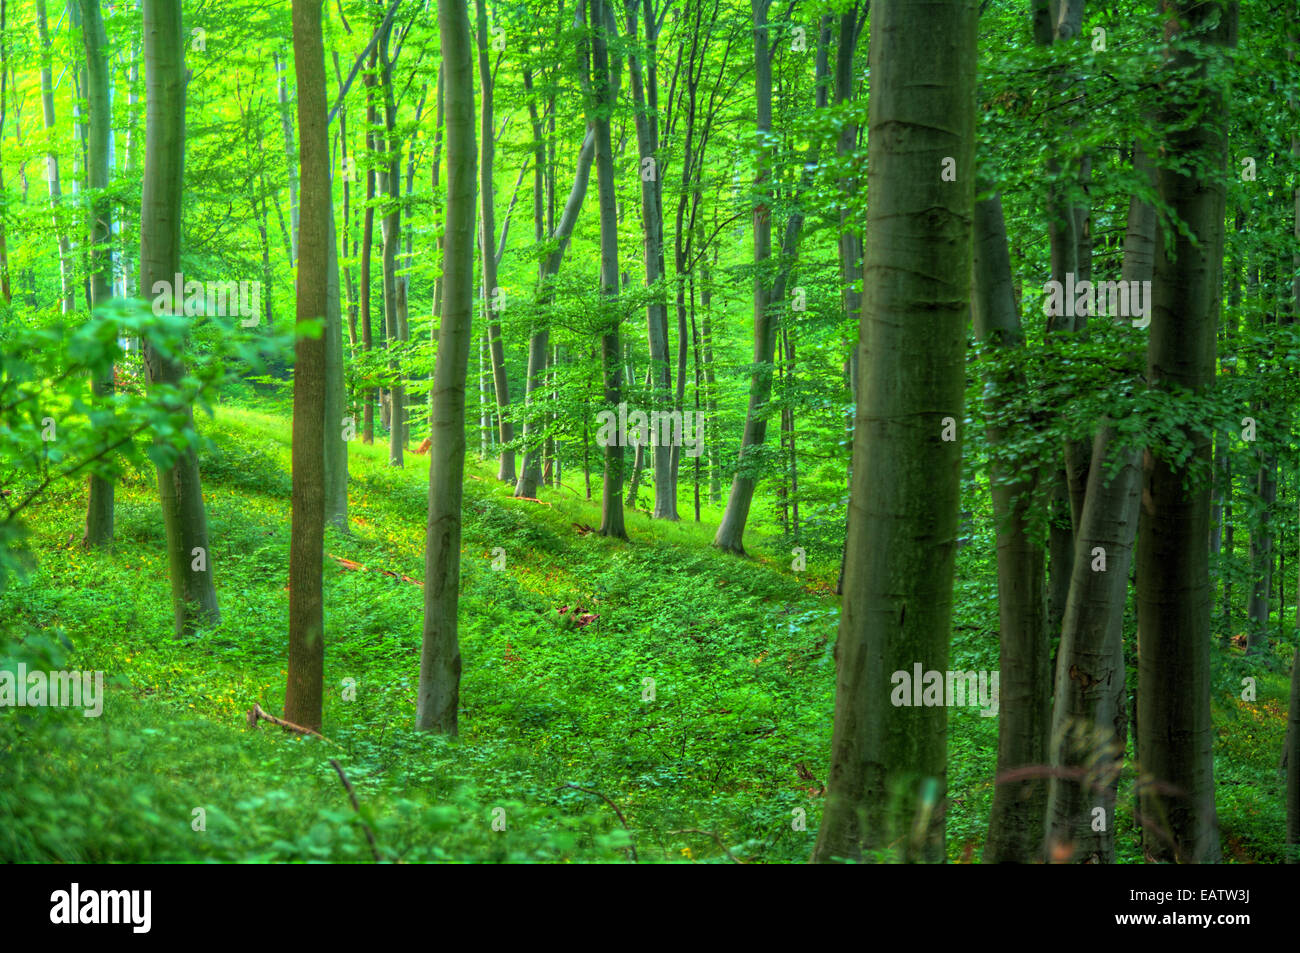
(649, 431)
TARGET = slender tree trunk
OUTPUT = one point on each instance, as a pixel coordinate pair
(611, 507)
(392, 237)
(367, 244)
(1175, 731)
(652, 223)
(52, 161)
(487, 239)
(769, 292)
(438, 696)
(290, 157)
(1016, 819)
(887, 787)
(1090, 718)
(194, 596)
(305, 685)
(99, 509)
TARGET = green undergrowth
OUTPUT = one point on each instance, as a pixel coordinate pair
(684, 716)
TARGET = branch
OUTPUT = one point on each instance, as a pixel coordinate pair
(356, 67)
(352, 796)
(621, 819)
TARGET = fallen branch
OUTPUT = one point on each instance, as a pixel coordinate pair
(352, 796)
(631, 848)
(258, 713)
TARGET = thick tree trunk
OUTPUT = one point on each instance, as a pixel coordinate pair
(304, 688)
(438, 695)
(888, 776)
(194, 596)
(99, 509)
(1175, 731)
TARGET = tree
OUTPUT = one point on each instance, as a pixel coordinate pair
(603, 97)
(1175, 734)
(52, 159)
(99, 508)
(888, 763)
(1016, 818)
(438, 695)
(487, 237)
(303, 694)
(194, 594)
(1090, 714)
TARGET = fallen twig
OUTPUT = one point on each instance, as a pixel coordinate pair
(352, 796)
(621, 819)
(258, 713)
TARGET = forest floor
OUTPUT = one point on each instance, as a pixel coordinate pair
(716, 760)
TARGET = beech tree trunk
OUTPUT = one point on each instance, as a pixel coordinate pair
(438, 695)
(888, 775)
(1016, 818)
(611, 504)
(194, 595)
(99, 508)
(1175, 731)
(487, 245)
(304, 688)
(1090, 717)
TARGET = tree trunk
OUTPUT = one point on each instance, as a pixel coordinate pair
(304, 690)
(439, 690)
(888, 775)
(392, 237)
(1175, 731)
(367, 244)
(99, 509)
(1090, 718)
(1016, 818)
(487, 246)
(611, 505)
(52, 161)
(194, 595)
(769, 294)
(652, 223)
(290, 159)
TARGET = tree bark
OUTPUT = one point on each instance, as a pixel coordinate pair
(1016, 818)
(438, 694)
(1090, 717)
(487, 245)
(1175, 731)
(194, 595)
(887, 786)
(305, 685)
(99, 508)
(611, 504)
